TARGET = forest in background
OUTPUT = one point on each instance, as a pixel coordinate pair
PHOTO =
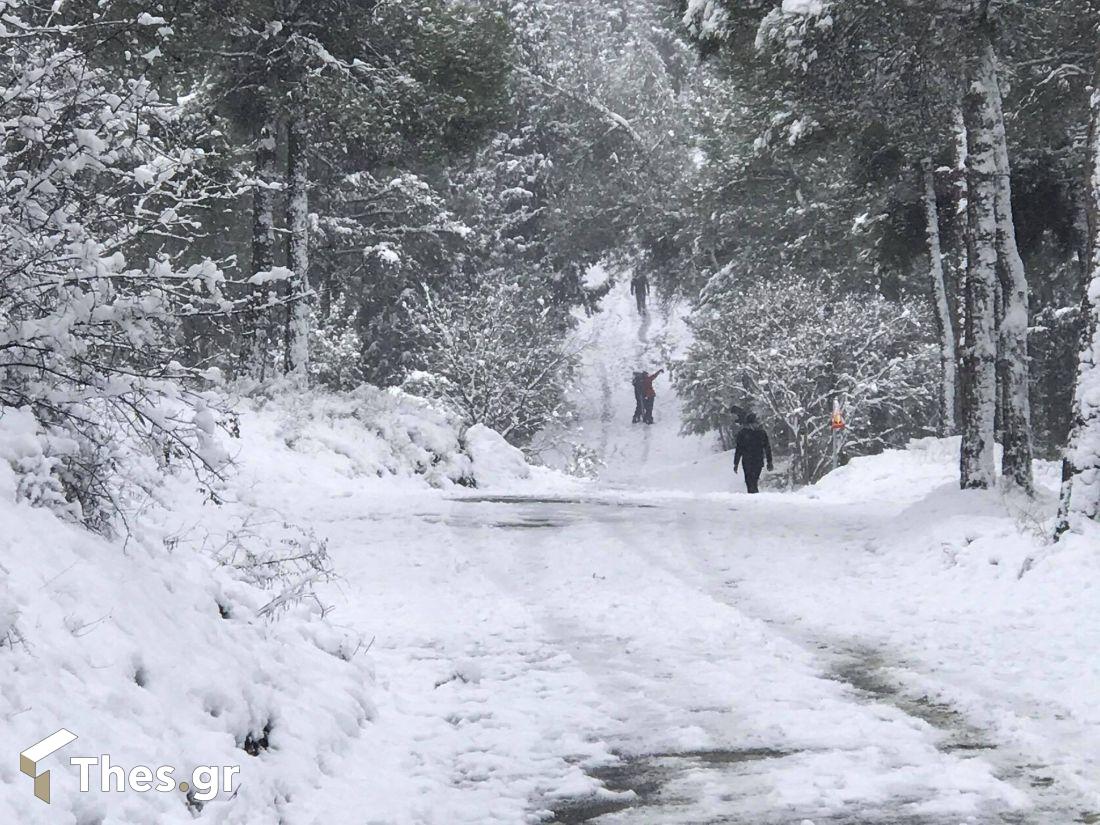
(891, 205)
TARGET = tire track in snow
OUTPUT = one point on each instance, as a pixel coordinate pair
(879, 677)
(642, 358)
(695, 744)
(607, 414)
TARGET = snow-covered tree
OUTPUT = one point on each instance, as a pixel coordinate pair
(910, 68)
(317, 92)
(496, 356)
(101, 201)
(789, 349)
(379, 242)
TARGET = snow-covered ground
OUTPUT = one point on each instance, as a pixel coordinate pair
(863, 652)
(654, 647)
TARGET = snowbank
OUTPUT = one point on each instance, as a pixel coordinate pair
(899, 476)
(386, 434)
(156, 654)
(200, 639)
(495, 461)
(380, 435)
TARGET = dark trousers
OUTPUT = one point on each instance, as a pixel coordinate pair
(648, 403)
(639, 296)
(639, 407)
(752, 475)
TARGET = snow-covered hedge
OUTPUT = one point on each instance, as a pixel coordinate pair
(375, 432)
(496, 356)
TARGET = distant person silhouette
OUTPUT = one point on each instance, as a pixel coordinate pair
(751, 450)
(639, 396)
(639, 288)
(648, 395)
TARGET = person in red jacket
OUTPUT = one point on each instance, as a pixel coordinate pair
(648, 395)
(639, 400)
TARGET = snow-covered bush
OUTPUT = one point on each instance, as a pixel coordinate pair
(493, 457)
(97, 201)
(371, 432)
(584, 462)
(788, 349)
(368, 432)
(496, 356)
(286, 559)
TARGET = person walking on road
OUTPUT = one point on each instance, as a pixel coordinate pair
(648, 395)
(639, 397)
(751, 451)
(639, 288)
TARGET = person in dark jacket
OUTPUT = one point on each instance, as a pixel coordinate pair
(648, 395)
(639, 397)
(639, 288)
(751, 451)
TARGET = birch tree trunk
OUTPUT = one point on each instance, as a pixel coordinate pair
(944, 324)
(1081, 468)
(979, 361)
(1013, 363)
(263, 250)
(299, 311)
(1002, 384)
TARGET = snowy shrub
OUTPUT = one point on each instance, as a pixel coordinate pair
(96, 197)
(788, 349)
(286, 559)
(372, 431)
(584, 462)
(495, 356)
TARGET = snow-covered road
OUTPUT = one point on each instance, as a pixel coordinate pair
(660, 648)
(531, 646)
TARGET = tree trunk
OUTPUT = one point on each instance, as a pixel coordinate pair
(1002, 384)
(263, 251)
(959, 263)
(1081, 468)
(1013, 363)
(299, 311)
(944, 325)
(979, 361)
